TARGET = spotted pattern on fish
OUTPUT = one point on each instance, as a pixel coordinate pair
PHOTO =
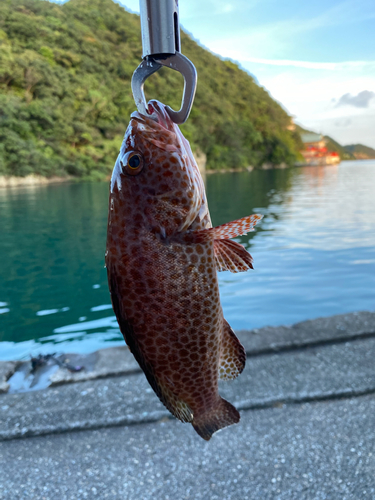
(163, 287)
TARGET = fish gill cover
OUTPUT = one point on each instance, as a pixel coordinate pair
(65, 96)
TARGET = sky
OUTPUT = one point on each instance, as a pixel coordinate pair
(316, 58)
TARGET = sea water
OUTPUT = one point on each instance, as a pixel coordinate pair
(314, 255)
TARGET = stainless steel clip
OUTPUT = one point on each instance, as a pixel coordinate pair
(161, 47)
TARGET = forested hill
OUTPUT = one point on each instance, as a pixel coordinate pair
(65, 96)
(333, 145)
(361, 152)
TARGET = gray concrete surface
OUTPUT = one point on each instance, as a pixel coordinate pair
(339, 328)
(307, 401)
(315, 373)
(313, 451)
(119, 361)
(109, 362)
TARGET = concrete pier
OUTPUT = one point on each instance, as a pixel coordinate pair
(307, 403)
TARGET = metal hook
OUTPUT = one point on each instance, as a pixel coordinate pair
(140, 75)
(179, 63)
(161, 47)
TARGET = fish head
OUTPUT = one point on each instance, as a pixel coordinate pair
(156, 175)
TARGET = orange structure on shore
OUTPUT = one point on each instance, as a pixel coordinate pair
(316, 152)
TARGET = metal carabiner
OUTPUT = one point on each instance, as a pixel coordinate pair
(161, 47)
(179, 63)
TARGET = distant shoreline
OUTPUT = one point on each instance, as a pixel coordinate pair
(38, 180)
(31, 180)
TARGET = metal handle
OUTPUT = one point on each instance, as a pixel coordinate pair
(161, 47)
(160, 27)
(179, 63)
(183, 65)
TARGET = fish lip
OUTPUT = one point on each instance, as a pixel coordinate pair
(148, 122)
(150, 130)
(157, 116)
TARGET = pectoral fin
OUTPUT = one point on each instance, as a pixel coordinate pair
(228, 230)
(231, 256)
(233, 355)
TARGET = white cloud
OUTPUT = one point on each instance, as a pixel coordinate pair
(349, 129)
(334, 66)
(361, 100)
(310, 95)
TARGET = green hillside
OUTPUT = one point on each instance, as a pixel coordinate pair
(332, 145)
(360, 151)
(65, 96)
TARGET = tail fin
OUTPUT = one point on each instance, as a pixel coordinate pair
(222, 415)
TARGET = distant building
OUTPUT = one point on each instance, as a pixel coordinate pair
(312, 139)
(315, 151)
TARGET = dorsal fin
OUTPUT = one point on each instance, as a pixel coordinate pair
(231, 256)
(233, 355)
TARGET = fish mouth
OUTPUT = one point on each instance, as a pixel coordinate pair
(159, 113)
(156, 128)
(157, 117)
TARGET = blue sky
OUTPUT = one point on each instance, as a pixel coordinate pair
(316, 58)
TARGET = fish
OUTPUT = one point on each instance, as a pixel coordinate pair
(162, 258)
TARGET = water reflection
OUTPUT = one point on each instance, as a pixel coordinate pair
(313, 254)
(310, 255)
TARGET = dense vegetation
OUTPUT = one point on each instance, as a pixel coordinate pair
(65, 96)
(332, 145)
(360, 151)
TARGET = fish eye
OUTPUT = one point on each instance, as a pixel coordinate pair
(132, 163)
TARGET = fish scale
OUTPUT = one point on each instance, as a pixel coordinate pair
(162, 259)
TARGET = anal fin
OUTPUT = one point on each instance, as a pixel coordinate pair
(231, 256)
(233, 355)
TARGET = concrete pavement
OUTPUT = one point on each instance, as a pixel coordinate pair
(307, 401)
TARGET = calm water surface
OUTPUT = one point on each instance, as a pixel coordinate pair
(314, 255)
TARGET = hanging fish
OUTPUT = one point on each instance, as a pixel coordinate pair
(162, 257)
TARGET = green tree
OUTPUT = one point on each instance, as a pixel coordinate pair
(65, 96)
